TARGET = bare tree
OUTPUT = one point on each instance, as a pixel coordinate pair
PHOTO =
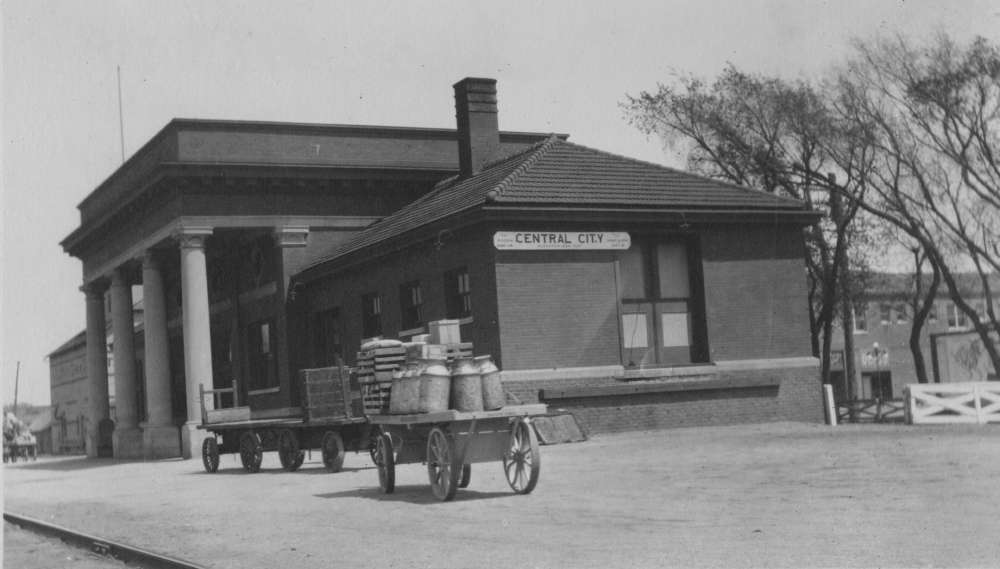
(928, 120)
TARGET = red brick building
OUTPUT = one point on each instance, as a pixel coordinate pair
(638, 295)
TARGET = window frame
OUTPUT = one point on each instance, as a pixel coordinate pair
(411, 303)
(371, 321)
(262, 366)
(458, 302)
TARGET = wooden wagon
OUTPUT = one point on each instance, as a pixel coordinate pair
(449, 442)
(331, 419)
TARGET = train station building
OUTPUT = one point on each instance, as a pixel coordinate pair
(634, 295)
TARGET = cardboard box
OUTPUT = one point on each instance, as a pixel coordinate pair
(445, 332)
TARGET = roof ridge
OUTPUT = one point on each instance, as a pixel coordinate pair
(684, 172)
(542, 148)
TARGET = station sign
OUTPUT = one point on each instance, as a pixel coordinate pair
(561, 240)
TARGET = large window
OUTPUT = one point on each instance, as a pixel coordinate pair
(371, 315)
(411, 302)
(263, 364)
(326, 338)
(458, 295)
(662, 315)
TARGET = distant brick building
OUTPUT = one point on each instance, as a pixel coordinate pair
(264, 248)
(882, 325)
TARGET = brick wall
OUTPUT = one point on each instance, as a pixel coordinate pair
(424, 262)
(797, 398)
(557, 310)
(755, 292)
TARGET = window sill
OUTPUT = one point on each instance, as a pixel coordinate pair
(265, 391)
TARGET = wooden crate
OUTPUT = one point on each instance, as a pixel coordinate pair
(330, 393)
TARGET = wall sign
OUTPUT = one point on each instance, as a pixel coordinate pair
(552, 240)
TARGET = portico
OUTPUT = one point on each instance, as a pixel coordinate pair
(211, 219)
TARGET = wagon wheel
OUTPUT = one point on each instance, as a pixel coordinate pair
(466, 476)
(386, 463)
(441, 467)
(289, 453)
(210, 454)
(521, 461)
(333, 451)
(251, 451)
(373, 437)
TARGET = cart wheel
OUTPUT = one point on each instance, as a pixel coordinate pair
(333, 451)
(373, 437)
(386, 463)
(466, 476)
(289, 453)
(441, 467)
(251, 451)
(521, 462)
(210, 454)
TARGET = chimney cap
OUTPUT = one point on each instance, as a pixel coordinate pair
(476, 80)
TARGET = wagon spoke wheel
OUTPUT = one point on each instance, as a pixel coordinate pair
(333, 451)
(373, 437)
(385, 461)
(521, 461)
(210, 454)
(251, 451)
(466, 476)
(441, 467)
(289, 453)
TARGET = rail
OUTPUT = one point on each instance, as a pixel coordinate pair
(871, 410)
(969, 402)
(216, 398)
(129, 554)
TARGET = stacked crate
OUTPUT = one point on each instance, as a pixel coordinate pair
(330, 394)
(375, 367)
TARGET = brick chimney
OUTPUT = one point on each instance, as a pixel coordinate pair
(478, 130)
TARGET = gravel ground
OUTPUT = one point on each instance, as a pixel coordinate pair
(774, 495)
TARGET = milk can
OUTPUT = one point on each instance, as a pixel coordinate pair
(435, 384)
(466, 386)
(406, 391)
(493, 397)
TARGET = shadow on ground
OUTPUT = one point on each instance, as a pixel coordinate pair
(80, 463)
(414, 494)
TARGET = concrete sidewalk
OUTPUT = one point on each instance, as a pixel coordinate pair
(776, 495)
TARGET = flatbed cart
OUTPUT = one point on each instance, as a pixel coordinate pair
(449, 442)
(331, 419)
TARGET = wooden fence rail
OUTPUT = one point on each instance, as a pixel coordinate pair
(871, 410)
(972, 402)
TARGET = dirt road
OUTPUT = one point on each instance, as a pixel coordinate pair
(778, 495)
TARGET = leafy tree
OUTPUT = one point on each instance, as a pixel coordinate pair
(769, 134)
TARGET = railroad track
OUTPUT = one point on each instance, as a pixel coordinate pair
(129, 554)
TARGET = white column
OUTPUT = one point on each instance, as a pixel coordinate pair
(127, 437)
(197, 332)
(161, 439)
(97, 368)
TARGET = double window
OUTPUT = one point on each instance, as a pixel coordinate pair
(662, 314)
(957, 320)
(411, 302)
(458, 295)
(371, 315)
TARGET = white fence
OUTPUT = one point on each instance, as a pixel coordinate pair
(973, 402)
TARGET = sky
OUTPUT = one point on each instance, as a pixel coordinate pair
(561, 66)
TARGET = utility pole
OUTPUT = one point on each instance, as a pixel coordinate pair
(17, 380)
